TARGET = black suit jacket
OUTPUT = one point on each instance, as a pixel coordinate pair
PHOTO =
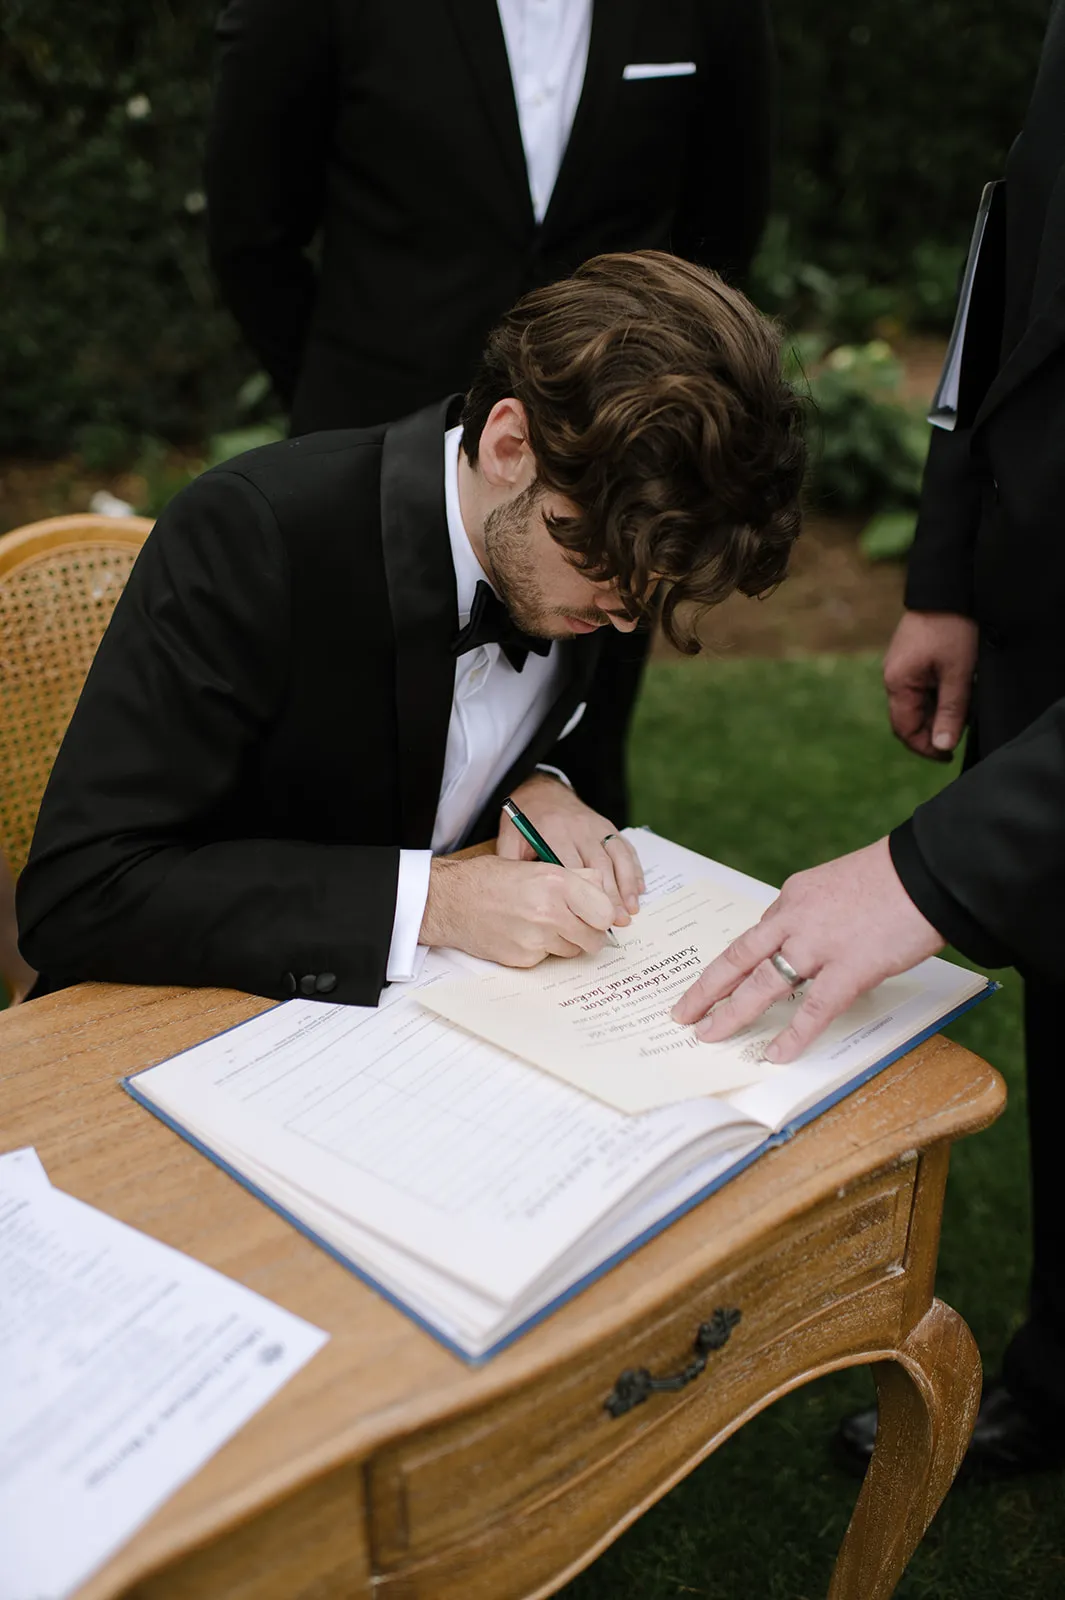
(391, 127)
(985, 860)
(264, 727)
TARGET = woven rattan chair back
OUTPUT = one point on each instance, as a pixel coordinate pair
(59, 581)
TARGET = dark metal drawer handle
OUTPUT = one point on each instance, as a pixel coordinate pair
(636, 1383)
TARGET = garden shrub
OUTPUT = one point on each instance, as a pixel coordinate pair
(893, 115)
(867, 447)
(109, 322)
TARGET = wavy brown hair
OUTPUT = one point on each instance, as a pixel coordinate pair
(655, 402)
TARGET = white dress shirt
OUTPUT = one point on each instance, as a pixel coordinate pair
(547, 46)
(494, 713)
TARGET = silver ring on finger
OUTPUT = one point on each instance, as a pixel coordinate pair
(786, 970)
(607, 837)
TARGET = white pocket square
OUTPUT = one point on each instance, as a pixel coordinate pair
(573, 721)
(659, 69)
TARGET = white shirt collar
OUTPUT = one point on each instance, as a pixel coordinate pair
(468, 570)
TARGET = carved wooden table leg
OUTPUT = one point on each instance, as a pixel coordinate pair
(928, 1395)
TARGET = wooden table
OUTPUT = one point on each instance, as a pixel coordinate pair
(386, 1467)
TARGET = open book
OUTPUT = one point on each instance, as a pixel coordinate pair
(478, 1191)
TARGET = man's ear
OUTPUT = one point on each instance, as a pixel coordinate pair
(504, 456)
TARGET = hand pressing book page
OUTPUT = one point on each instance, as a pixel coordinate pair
(602, 1022)
(473, 1189)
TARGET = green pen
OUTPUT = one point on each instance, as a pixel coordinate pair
(540, 845)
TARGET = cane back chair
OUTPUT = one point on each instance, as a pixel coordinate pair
(59, 581)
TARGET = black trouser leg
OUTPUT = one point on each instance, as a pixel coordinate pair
(1034, 1365)
(597, 772)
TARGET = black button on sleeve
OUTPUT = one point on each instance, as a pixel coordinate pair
(288, 983)
(327, 982)
(307, 982)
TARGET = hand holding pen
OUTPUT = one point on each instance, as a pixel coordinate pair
(493, 906)
(573, 835)
(504, 910)
(543, 850)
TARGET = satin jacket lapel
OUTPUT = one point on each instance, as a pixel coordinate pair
(608, 51)
(485, 47)
(582, 657)
(421, 592)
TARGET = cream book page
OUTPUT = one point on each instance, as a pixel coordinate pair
(602, 1022)
(440, 1144)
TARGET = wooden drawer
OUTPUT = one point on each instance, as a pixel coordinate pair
(441, 1488)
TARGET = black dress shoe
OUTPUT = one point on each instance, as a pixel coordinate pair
(1006, 1440)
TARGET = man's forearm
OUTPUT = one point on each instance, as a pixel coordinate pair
(272, 917)
(984, 859)
(935, 902)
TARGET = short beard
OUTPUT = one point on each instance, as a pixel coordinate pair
(512, 568)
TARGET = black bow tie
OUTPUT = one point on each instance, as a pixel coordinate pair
(491, 623)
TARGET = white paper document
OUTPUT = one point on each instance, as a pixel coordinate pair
(446, 1146)
(124, 1365)
(602, 1022)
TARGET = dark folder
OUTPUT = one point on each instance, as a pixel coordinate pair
(974, 352)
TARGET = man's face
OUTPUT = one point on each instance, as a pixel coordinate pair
(544, 592)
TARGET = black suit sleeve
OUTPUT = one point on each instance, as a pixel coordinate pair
(725, 200)
(267, 155)
(131, 878)
(939, 574)
(984, 860)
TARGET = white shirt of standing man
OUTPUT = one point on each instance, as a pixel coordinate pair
(547, 46)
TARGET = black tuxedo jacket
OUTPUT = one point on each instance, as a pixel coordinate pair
(985, 860)
(391, 127)
(264, 727)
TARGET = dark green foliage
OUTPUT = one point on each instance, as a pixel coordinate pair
(108, 317)
(892, 116)
(867, 448)
(889, 535)
(164, 474)
(849, 304)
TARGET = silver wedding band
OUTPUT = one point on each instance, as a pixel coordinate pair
(786, 970)
(606, 837)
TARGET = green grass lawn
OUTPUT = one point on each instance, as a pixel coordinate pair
(773, 766)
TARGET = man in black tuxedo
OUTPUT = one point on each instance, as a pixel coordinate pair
(453, 154)
(982, 642)
(335, 656)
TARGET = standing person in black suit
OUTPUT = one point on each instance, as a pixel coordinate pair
(453, 154)
(337, 655)
(982, 642)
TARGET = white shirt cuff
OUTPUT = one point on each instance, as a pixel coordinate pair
(412, 891)
(556, 772)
